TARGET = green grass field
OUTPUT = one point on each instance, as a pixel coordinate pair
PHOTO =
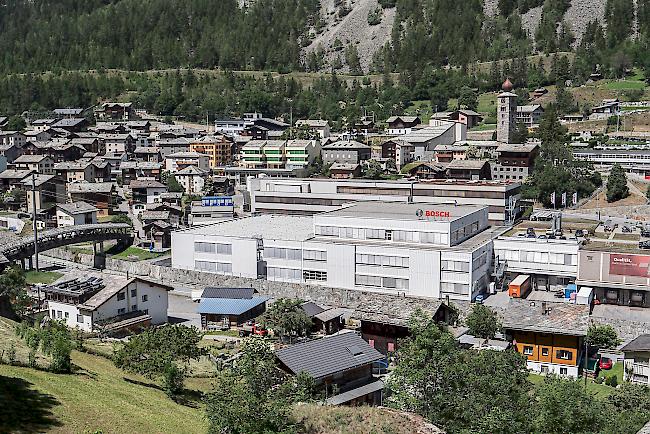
(625, 85)
(96, 397)
(135, 252)
(32, 277)
(600, 390)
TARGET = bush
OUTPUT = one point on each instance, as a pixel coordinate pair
(599, 380)
(374, 17)
(11, 354)
(173, 378)
(612, 381)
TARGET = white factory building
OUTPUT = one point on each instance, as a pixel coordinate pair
(426, 250)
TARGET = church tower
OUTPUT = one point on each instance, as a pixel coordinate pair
(506, 113)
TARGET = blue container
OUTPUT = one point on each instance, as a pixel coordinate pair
(571, 288)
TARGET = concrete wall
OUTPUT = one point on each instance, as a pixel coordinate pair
(385, 304)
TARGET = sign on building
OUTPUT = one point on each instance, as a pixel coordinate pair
(217, 201)
(629, 265)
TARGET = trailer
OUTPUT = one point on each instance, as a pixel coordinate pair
(520, 286)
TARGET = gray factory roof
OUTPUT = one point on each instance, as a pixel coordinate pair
(401, 211)
(329, 355)
(272, 227)
(559, 318)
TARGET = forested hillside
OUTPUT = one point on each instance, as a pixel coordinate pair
(291, 35)
(43, 35)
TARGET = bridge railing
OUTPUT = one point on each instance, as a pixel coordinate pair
(66, 235)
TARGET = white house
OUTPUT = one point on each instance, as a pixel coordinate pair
(637, 360)
(192, 179)
(180, 160)
(86, 299)
(75, 213)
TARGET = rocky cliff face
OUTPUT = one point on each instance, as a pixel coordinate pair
(353, 28)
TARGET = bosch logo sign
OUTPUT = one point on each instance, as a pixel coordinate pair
(432, 213)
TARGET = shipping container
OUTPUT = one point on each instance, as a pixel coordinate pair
(520, 287)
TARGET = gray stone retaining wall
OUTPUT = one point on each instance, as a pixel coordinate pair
(385, 304)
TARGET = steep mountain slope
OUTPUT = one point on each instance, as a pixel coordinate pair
(353, 29)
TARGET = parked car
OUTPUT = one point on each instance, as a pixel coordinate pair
(530, 232)
(252, 329)
(644, 244)
(626, 229)
(479, 299)
(605, 363)
(579, 233)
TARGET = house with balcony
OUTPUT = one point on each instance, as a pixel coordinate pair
(36, 163)
(217, 148)
(550, 335)
(320, 126)
(341, 366)
(529, 115)
(87, 300)
(636, 356)
(301, 153)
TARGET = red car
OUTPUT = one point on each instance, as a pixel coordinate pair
(605, 363)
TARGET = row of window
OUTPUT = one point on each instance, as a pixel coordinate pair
(213, 267)
(423, 192)
(454, 288)
(274, 273)
(384, 234)
(460, 266)
(545, 351)
(203, 247)
(381, 282)
(464, 232)
(134, 294)
(538, 257)
(314, 255)
(388, 261)
(283, 253)
(314, 275)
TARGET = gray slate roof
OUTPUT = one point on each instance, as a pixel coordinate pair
(73, 208)
(563, 318)
(329, 355)
(640, 343)
(234, 293)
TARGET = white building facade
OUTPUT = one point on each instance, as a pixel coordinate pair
(407, 249)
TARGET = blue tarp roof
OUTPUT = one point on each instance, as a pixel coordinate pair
(229, 306)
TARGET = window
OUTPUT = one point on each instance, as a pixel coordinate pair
(543, 369)
(314, 275)
(134, 307)
(275, 273)
(564, 371)
(120, 296)
(314, 255)
(67, 315)
(563, 354)
(146, 311)
(367, 280)
(134, 293)
(387, 261)
(528, 350)
(121, 311)
(224, 249)
(53, 314)
(544, 352)
(200, 247)
(80, 318)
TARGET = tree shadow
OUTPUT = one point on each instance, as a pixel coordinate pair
(23, 408)
(142, 383)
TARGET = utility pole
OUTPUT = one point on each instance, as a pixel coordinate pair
(34, 220)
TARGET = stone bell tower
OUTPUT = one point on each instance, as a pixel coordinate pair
(506, 113)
